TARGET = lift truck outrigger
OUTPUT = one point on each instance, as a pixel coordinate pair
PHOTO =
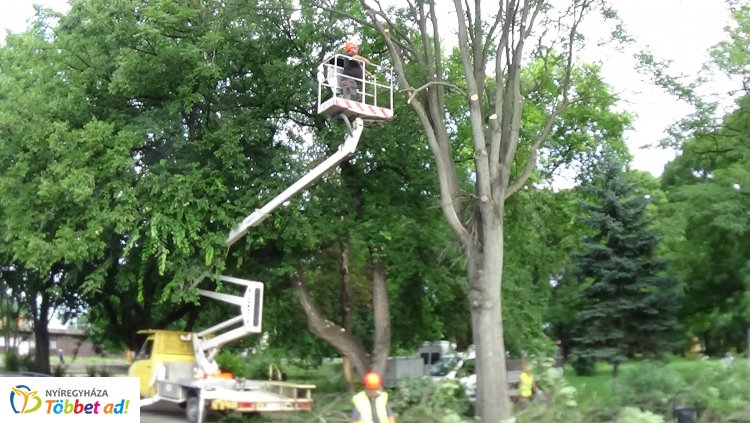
(180, 367)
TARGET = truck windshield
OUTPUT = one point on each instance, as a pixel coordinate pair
(442, 367)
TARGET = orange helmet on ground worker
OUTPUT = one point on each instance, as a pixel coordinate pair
(372, 381)
(371, 405)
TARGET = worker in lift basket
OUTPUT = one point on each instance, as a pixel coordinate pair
(354, 71)
(371, 405)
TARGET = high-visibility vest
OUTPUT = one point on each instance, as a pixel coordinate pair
(362, 403)
(525, 384)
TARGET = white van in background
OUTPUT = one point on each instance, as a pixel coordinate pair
(429, 354)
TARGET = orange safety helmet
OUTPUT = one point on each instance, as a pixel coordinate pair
(348, 47)
(372, 380)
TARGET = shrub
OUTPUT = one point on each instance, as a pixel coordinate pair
(721, 392)
(583, 366)
(424, 400)
(255, 366)
(58, 371)
(12, 361)
(559, 404)
(649, 386)
(232, 362)
(27, 362)
(91, 371)
(636, 415)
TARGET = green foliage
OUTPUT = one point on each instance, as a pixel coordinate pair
(650, 386)
(707, 190)
(626, 306)
(424, 400)
(545, 221)
(721, 392)
(94, 371)
(59, 371)
(558, 401)
(635, 415)
(263, 365)
(583, 366)
(12, 361)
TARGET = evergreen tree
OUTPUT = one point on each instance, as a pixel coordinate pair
(627, 306)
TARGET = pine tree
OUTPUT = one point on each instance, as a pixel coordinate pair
(627, 306)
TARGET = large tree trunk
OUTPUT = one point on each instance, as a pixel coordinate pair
(382, 317)
(485, 278)
(346, 310)
(41, 334)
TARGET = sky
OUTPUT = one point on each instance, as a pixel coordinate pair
(681, 31)
(678, 30)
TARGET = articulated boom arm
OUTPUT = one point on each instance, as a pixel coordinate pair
(207, 343)
(346, 150)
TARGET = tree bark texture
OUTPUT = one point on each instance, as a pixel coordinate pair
(344, 342)
(485, 269)
(346, 310)
(41, 333)
(382, 316)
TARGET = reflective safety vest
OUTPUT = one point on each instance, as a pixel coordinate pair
(525, 384)
(362, 403)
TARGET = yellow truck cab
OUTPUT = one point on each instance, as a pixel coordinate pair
(159, 347)
(181, 367)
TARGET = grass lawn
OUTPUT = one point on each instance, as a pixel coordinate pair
(597, 388)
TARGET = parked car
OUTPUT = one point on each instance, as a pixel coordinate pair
(462, 367)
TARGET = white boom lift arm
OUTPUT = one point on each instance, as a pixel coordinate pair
(207, 343)
(344, 151)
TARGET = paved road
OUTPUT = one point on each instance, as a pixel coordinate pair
(165, 412)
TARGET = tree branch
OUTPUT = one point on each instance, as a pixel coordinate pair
(330, 332)
(449, 193)
(559, 107)
(414, 93)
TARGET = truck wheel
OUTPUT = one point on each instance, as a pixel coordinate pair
(192, 410)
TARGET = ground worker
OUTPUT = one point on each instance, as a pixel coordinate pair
(371, 405)
(526, 385)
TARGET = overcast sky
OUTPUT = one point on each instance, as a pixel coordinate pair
(678, 30)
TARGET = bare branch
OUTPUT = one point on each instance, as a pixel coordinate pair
(559, 107)
(490, 37)
(495, 124)
(477, 47)
(438, 54)
(449, 193)
(475, 110)
(414, 93)
(429, 63)
(469, 20)
(531, 164)
(406, 44)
